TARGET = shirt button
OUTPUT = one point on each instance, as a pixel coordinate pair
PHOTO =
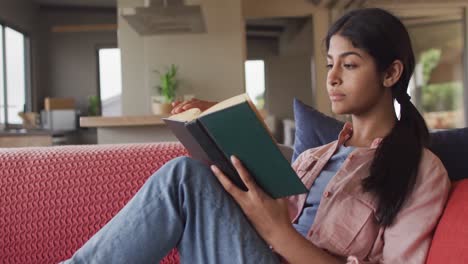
(326, 194)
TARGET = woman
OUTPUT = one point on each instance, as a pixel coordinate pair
(376, 193)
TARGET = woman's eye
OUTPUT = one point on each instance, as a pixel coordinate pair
(329, 66)
(349, 66)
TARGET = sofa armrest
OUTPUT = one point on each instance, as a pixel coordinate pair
(449, 244)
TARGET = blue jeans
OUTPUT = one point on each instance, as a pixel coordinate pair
(181, 205)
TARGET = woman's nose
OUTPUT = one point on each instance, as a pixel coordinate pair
(333, 77)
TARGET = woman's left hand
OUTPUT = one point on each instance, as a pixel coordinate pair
(269, 216)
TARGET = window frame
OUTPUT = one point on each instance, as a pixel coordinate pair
(463, 20)
(264, 80)
(98, 65)
(27, 72)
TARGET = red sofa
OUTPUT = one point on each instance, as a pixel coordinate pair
(53, 199)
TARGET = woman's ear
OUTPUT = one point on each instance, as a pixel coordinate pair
(393, 73)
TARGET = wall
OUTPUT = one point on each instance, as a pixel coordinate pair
(19, 13)
(63, 64)
(320, 22)
(211, 64)
(287, 71)
(69, 59)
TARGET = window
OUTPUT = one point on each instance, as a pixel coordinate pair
(255, 81)
(437, 84)
(110, 81)
(12, 75)
(2, 79)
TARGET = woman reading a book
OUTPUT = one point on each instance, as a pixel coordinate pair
(376, 193)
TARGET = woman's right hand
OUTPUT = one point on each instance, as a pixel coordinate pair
(181, 106)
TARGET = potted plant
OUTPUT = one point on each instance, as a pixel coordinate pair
(166, 90)
(93, 105)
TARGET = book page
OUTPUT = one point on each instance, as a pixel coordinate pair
(187, 115)
(194, 113)
(226, 103)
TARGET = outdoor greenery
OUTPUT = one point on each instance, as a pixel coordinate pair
(260, 101)
(442, 97)
(439, 96)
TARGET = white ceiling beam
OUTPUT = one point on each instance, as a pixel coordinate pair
(424, 12)
(356, 4)
(322, 3)
(192, 2)
(388, 4)
(131, 3)
(342, 4)
(430, 20)
(327, 3)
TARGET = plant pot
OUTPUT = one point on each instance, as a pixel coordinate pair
(161, 108)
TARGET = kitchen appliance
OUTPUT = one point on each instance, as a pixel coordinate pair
(59, 120)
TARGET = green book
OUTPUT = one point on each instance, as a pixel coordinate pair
(235, 127)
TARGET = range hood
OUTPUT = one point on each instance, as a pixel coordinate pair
(159, 17)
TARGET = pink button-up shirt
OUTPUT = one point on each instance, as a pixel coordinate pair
(346, 224)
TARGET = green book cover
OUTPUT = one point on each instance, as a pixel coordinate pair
(237, 130)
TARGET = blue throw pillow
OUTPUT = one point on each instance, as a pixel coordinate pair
(314, 129)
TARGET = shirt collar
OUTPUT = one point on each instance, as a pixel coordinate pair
(346, 133)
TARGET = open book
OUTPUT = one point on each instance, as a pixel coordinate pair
(235, 127)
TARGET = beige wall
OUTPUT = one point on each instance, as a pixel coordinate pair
(320, 22)
(135, 96)
(287, 70)
(211, 64)
(288, 77)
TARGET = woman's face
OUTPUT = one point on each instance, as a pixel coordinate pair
(354, 84)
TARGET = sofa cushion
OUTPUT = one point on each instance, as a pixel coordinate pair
(314, 129)
(450, 238)
(451, 146)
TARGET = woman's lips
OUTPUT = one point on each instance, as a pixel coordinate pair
(336, 97)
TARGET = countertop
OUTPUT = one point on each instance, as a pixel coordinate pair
(122, 121)
(25, 132)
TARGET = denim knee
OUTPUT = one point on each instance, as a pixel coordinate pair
(183, 168)
(188, 164)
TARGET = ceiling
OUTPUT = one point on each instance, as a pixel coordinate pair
(81, 3)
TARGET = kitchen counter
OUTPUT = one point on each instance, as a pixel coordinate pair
(24, 132)
(122, 121)
(129, 129)
(13, 138)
